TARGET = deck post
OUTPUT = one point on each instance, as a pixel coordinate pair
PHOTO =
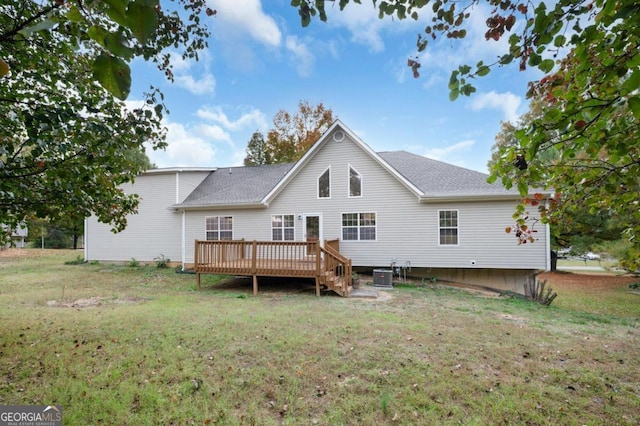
(255, 285)
(317, 286)
(197, 261)
(254, 252)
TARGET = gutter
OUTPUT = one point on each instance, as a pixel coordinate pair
(182, 207)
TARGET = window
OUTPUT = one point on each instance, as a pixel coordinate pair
(324, 184)
(219, 227)
(448, 227)
(355, 183)
(282, 227)
(359, 226)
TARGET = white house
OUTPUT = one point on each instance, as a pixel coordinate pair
(18, 235)
(384, 207)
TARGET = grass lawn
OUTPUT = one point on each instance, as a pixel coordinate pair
(138, 345)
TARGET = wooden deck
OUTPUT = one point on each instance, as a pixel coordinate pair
(276, 259)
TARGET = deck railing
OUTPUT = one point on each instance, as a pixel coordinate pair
(272, 258)
(337, 263)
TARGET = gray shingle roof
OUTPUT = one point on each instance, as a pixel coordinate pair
(237, 185)
(437, 179)
(250, 185)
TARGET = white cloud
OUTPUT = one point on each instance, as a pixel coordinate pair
(212, 140)
(185, 77)
(185, 148)
(213, 132)
(363, 24)
(132, 104)
(254, 119)
(507, 102)
(449, 153)
(247, 18)
(204, 85)
(179, 63)
(302, 56)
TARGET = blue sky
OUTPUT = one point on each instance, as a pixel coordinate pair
(261, 60)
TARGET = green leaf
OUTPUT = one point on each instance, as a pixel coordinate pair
(546, 65)
(523, 188)
(506, 59)
(483, 70)
(453, 94)
(97, 34)
(534, 60)
(142, 20)
(74, 14)
(559, 41)
(453, 81)
(632, 82)
(117, 45)
(117, 10)
(401, 11)
(113, 74)
(634, 105)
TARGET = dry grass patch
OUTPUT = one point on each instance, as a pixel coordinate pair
(221, 356)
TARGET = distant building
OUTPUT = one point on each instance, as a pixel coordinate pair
(18, 236)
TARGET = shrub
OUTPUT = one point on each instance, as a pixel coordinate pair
(133, 263)
(77, 261)
(161, 261)
(534, 291)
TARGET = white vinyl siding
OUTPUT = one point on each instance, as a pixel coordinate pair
(282, 227)
(156, 229)
(448, 227)
(219, 228)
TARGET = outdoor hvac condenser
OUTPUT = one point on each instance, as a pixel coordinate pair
(382, 278)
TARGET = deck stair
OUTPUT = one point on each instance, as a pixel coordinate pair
(335, 283)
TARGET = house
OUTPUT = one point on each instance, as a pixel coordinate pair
(384, 207)
(18, 236)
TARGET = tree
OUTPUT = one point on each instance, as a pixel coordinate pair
(593, 96)
(293, 135)
(575, 225)
(506, 137)
(257, 151)
(67, 141)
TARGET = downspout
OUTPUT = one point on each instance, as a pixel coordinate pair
(548, 239)
(183, 226)
(184, 246)
(86, 239)
(177, 187)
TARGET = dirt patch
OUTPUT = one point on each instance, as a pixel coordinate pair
(94, 302)
(588, 282)
(14, 252)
